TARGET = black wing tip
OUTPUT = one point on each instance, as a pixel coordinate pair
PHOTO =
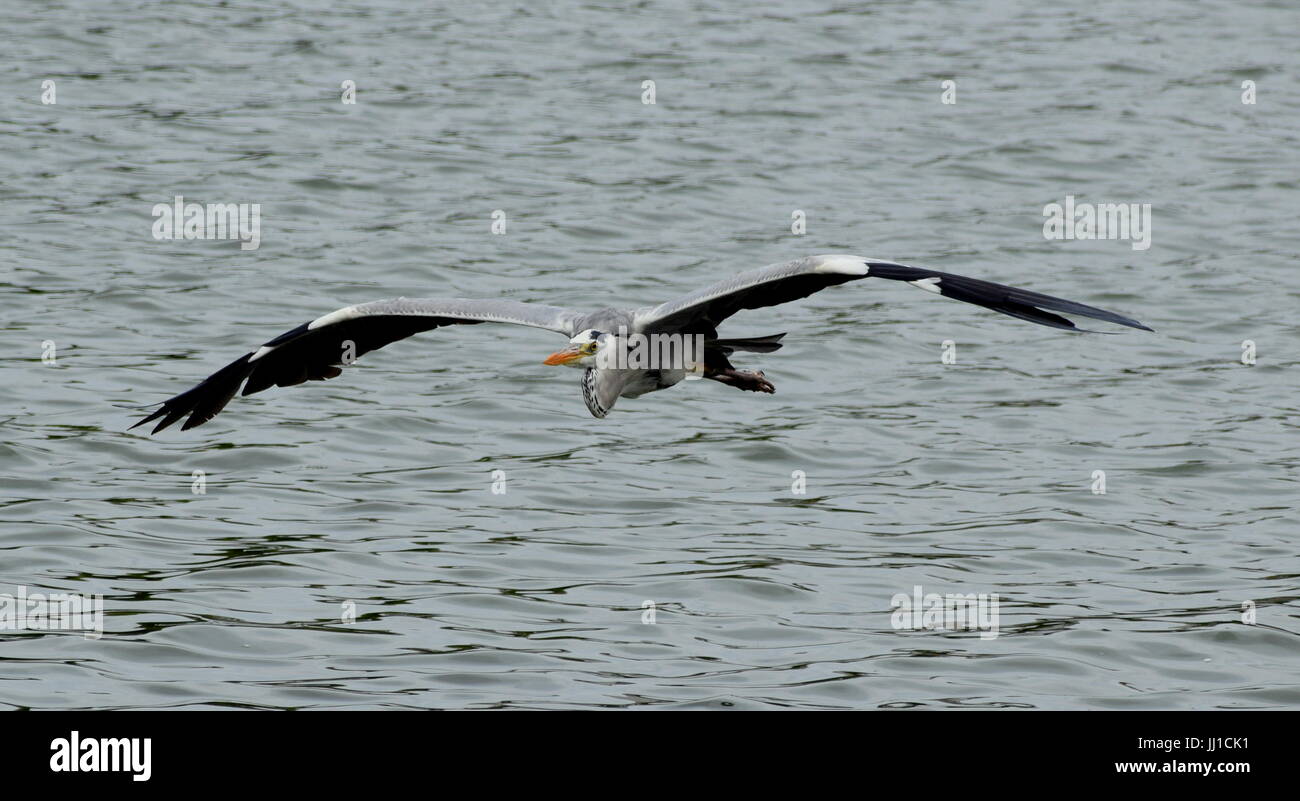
(203, 401)
(168, 414)
(1125, 322)
(1020, 303)
(171, 414)
(1118, 319)
(1070, 307)
(151, 418)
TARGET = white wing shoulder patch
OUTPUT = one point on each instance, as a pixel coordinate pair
(844, 265)
(333, 317)
(930, 284)
(349, 313)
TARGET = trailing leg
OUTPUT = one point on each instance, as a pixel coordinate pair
(750, 381)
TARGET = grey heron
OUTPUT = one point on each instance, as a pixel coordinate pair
(319, 349)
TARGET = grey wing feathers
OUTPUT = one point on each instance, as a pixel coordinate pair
(317, 350)
(781, 283)
(537, 315)
(753, 289)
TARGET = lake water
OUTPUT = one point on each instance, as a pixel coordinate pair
(372, 495)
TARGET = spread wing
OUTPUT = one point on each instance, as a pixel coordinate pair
(317, 350)
(704, 309)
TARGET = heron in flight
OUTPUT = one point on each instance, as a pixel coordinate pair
(319, 349)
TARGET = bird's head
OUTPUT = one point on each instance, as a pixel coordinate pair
(582, 349)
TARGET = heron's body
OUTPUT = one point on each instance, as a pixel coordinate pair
(319, 349)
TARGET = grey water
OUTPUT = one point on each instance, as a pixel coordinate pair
(445, 526)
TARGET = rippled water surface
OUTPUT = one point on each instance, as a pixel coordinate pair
(376, 489)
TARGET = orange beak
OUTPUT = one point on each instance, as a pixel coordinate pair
(564, 356)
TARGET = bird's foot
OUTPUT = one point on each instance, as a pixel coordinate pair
(761, 384)
(750, 381)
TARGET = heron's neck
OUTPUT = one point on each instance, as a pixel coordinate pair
(589, 395)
